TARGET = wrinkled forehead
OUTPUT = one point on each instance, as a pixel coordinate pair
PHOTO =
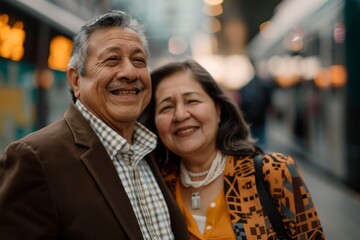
(116, 38)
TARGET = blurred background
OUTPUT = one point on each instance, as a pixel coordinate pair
(291, 65)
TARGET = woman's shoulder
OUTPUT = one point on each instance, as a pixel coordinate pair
(272, 162)
(275, 158)
(269, 158)
(279, 169)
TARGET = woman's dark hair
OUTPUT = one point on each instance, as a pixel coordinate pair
(233, 137)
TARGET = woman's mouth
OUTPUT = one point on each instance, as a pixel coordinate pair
(185, 131)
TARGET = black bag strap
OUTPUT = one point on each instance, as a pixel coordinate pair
(267, 201)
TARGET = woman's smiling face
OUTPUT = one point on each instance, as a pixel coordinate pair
(185, 116)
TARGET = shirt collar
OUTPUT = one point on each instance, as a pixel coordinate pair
(113, 142)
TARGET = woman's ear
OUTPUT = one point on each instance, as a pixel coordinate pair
(218, 112)
(73, 78)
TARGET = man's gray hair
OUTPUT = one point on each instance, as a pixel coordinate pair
(114, 18)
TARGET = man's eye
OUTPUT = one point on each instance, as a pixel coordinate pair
(139, 59)
(140, 62)
(112, 59)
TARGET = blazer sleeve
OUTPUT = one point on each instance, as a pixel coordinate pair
(27, 209)
(292, 197)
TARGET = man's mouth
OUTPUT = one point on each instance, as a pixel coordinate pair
(125, 92)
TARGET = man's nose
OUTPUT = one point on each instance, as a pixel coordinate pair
(127, 71)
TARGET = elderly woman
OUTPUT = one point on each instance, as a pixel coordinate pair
(206, 156)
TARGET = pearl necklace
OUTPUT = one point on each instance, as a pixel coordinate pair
(216, 169)
(200, 174)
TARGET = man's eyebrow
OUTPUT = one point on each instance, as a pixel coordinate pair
(109, 50)
(117, 49)
(139, 50)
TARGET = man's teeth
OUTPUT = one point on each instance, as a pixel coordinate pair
(124, 92)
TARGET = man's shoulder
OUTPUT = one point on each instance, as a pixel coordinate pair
(61, 130)
(51, 134)
(41, 141)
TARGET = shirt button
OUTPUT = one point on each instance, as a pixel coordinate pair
(212, 205)
(208, 228)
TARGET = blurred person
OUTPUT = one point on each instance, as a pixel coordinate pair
(255, 100)
(89, 176)
(206, 157)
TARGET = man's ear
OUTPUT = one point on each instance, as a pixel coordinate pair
(73, 78)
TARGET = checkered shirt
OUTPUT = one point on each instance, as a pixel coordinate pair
(136, 176)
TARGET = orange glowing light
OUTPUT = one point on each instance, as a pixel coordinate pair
(286, 81)
(11, 39)
(211, 25)
(323, 78)
(338, 75)
(60, 53)
(213, 11)
(213, 2)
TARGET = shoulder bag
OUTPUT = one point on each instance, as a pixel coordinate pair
(267, 201)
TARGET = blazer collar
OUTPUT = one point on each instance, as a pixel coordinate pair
(178, 224)
(83, 133)
(101, 168)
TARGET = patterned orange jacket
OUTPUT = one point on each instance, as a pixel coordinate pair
(249, 221)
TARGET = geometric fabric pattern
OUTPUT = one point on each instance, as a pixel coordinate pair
(288, 190)
(286, 186)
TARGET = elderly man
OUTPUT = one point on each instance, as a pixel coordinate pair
(88, 176)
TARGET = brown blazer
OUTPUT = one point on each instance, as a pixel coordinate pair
(59, 183)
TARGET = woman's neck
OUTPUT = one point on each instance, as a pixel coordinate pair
(200, 162)
(215, 170)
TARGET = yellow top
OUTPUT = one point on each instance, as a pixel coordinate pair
(218, 224)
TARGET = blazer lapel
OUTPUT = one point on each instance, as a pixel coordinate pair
(100, 166)
(178, 223)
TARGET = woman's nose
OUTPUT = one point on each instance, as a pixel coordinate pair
(181, 114)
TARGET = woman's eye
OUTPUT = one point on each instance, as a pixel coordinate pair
(192, 101)
(165, 109)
